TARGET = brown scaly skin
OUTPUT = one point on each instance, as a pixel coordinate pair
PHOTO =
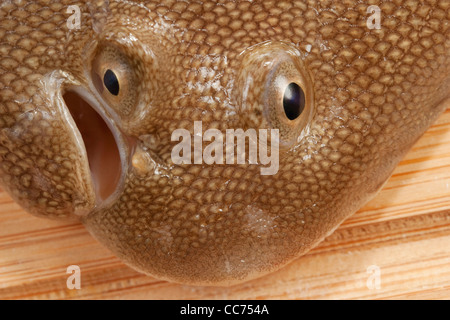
(372, 93)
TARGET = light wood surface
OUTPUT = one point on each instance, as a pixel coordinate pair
(405, 231)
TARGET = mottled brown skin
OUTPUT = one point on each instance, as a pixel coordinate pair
(372, 94)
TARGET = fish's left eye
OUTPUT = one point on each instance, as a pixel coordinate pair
(114, 76)
(111, 82)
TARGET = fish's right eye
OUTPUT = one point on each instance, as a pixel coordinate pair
(275, 90)
(293, 101)
(286, 99)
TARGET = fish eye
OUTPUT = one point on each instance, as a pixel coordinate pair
(293, 101)
(287, 100)
(113, 74)
(275, 90)
(111, 82)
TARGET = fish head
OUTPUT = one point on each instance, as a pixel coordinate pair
(333, 102)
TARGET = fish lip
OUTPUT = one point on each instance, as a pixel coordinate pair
(125, 149)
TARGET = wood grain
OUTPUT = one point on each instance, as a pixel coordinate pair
(405, 231)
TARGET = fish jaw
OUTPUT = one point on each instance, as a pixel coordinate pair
(52, 179)
(103, 146)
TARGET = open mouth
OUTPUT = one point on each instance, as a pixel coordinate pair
(102, 149)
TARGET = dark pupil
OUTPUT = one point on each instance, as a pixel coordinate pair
(293, 101)
(111, 82)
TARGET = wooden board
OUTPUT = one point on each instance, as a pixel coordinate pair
(404, 231)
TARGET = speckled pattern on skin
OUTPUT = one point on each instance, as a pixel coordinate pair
(372, 94)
